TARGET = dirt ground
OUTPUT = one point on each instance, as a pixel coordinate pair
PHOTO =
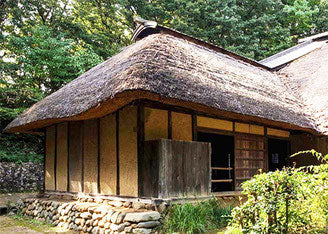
(6, 198)
(18, 224)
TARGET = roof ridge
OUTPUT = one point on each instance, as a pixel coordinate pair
(147, 27)
(314, 37)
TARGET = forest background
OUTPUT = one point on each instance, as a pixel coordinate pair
(45, 44)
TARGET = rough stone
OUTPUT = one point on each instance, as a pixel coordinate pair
(120, 218)
(128, 229)
(115, 203)
(114, 217)
(138, 205)
(86, 215)
(142, 216)
(97, 216)
(141, 230)
(80, 217)
(162, 208)
(149, 224)
(101, 223)
(116, 227)
(127, 204)
(16, 177)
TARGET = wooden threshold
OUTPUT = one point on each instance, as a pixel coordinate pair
(222, 168)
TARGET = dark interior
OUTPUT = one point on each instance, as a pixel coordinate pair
(222, 157)
(279, 152)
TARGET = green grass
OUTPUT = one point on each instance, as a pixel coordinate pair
(30, 223)
(17, 220)
(196, 218)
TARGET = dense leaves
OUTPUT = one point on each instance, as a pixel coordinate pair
(287, 201)
(46, 43)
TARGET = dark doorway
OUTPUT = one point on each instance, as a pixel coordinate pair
(279, 151)
(222, 160)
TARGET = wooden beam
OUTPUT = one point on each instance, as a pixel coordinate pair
(55, 160)
(222, 168)
(222, 181)
(140, 142)
(169, 122)
(98, 156)
(117, 115)
(68, 179)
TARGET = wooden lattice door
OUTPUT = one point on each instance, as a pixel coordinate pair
(250, 156)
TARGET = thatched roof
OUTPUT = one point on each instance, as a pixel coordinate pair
(307, 77)
(173, 69)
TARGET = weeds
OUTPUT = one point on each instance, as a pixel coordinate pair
(196, 218)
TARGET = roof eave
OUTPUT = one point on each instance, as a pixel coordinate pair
(127, 97)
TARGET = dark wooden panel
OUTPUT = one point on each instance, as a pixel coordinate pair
(175, 169)
(75, 155)
(250, 156)
(149, 169)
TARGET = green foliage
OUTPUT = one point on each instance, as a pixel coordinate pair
(196, 218)
(20, 148)
(35, 60)
(287, 201)
(255, 29)
(46, 43)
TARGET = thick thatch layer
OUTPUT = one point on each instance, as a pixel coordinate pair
(307, 77)
(177, 69)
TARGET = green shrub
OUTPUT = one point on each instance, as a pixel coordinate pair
(20, 148)
(196, 218)
(287, 201)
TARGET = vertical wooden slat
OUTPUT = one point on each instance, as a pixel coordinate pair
(50, 158)
(90, 156)
(176, 169)
(44, 158)
(55, 159)
(75, 156)
(141, 128)
(194, 127)
(68, 145)
(128, 151)
(61, 157)
(98, 156)
(117, 120)
(108, 155)
(169, 124)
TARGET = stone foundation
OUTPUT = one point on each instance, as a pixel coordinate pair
(92, 215)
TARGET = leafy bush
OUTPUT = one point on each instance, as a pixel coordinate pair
(196, 218)
(20, 148)
(293, 200)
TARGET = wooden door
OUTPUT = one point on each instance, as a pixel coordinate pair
(250, 156)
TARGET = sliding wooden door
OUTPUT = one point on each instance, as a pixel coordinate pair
(250, 156)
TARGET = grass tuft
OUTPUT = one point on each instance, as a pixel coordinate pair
(196, 218)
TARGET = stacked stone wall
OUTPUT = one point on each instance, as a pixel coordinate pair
(20, 177)
(91, 215)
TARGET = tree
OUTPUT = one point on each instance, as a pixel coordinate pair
(34, 65)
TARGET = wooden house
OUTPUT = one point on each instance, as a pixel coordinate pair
(140, 123)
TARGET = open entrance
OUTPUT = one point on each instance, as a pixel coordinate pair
(279, 151)
(222, 160)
